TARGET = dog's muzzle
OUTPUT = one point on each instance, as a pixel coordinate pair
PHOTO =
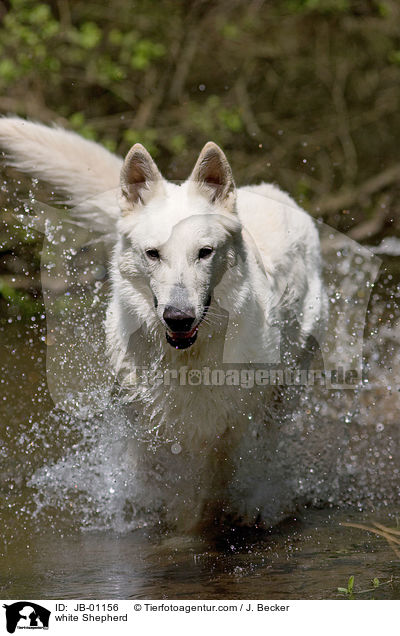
(183, 339)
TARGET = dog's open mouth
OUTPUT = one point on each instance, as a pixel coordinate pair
(182, 339)
(185, 339)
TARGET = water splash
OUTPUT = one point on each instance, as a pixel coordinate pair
(95, 477)
(338, 447)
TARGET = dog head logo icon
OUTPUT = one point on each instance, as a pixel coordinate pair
(26, 615)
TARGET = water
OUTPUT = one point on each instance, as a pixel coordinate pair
(71, 524)
(308, 559)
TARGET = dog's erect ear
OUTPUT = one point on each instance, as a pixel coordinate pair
(140, 178)
(212, 174)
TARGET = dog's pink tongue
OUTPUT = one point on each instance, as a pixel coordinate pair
(182, 335)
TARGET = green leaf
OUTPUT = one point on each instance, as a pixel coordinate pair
(90, 35)
(77, 120)
(394, 57)
(39, 14)
(8, 70)
(177, 143)
(230, 31)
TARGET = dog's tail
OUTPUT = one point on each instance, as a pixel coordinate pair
(83, 171)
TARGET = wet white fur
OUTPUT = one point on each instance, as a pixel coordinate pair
(276, 256)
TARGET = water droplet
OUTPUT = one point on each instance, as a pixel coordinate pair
(176, 448)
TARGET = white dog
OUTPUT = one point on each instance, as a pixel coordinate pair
(209, 282)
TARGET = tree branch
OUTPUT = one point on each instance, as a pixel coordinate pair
(351, 196)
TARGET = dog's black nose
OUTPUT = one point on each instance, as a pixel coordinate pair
(179, 320)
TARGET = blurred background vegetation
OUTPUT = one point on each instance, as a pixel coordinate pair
(304, 93)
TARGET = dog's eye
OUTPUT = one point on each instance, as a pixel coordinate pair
(152, 254)
(204, 252)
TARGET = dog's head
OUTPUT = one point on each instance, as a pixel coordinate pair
(176, 241)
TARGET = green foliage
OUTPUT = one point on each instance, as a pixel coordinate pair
(160, 73)
(78, 122)
(321, 6)
(394, 56)
(230, 30)
(87, 36)
(349, 590)
(28, 29)
(18, 303)
(146, 137)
